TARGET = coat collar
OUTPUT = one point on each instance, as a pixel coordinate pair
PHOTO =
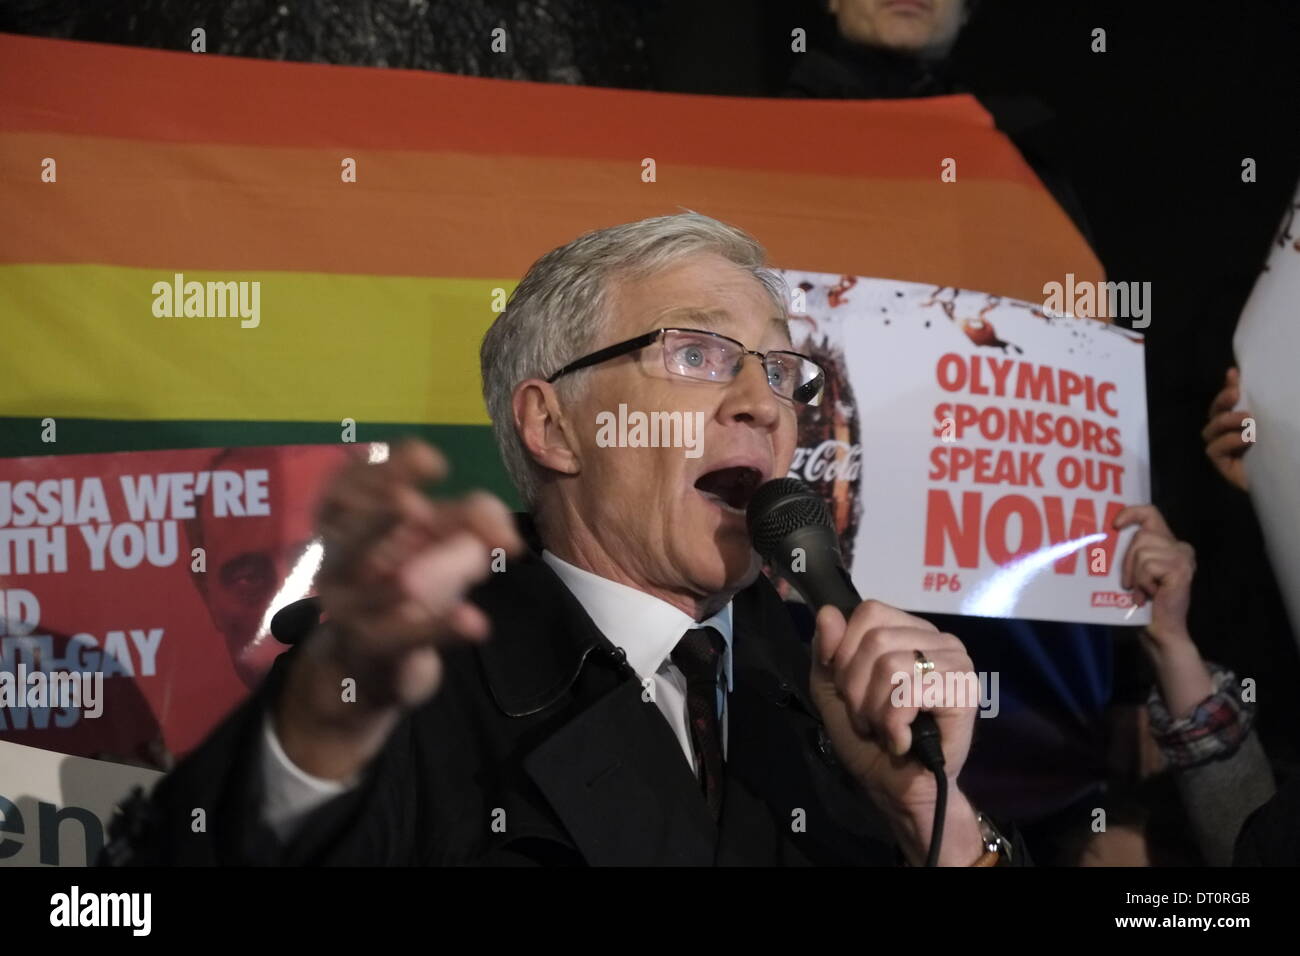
(543, 636)
(611, 768)
(644, 626)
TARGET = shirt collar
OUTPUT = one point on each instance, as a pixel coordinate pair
(646, 627)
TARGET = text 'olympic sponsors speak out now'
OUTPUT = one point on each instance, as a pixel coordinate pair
(992, 444)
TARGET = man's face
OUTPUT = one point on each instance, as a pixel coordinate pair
(643, 503)
(250, 557)
(908, 26)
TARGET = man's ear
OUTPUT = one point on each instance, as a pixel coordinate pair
(543, 428)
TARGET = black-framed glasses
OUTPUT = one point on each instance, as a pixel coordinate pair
(710, 357)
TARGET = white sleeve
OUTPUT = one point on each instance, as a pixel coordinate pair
(290, 794)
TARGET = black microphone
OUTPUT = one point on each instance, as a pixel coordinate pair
(790, 525)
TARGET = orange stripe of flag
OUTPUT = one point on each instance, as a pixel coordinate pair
(67, 86)
(165, 205)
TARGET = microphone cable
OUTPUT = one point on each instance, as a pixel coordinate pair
(928, 749)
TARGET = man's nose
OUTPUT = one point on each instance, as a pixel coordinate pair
(749, 396)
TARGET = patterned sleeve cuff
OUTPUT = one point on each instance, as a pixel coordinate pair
(1215, 729)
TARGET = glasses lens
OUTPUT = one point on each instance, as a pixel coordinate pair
(795, 377)
(700, 355)
(707, 356)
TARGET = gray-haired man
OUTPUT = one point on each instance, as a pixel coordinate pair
(630, 688)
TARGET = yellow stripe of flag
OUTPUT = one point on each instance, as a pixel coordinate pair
(84, 341)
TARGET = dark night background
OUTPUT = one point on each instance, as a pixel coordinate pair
(1151, 134)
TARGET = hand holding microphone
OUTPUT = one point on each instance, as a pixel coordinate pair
(858, 649)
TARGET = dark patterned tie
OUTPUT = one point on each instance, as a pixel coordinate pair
(696, 656)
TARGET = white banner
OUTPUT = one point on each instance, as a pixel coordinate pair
(55, 809)
(976, 449)
(1267, 345)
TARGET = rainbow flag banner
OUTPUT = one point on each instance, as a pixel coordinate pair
(228, 273)
(202, 251)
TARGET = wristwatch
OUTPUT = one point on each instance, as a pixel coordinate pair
(997, 848)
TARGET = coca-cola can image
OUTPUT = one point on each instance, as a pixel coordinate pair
(828, 457)
(829, 454)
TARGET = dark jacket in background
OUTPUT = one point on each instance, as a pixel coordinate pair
(1271, 835)
(841, 70)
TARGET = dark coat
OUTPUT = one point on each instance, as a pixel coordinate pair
(1271, 835)
(546, 722)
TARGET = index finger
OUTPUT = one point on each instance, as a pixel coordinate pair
(1223, 423)
(1224, 401)
(1147, 517)
(416, 461)
(871, 614)
(487, 516)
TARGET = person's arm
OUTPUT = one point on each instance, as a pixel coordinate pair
(1158, 568)
(392, 587)
(1197, 715)
(1220, 793)
(291, 794)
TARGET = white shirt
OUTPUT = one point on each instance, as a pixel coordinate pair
(645, 627)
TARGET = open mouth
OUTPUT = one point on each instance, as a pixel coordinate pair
(730, 488)
(909, 7)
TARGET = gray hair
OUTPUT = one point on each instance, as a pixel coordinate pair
(558, 310)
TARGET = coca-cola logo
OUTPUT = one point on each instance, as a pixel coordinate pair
(832, 460)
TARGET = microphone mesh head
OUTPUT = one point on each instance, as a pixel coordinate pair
(780, 506)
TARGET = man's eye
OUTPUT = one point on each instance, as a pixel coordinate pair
(693, 355)
(699, 355)
(248, 573)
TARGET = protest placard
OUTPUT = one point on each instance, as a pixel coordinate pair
(147, 581)
(1267, 344)
(976, 449)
